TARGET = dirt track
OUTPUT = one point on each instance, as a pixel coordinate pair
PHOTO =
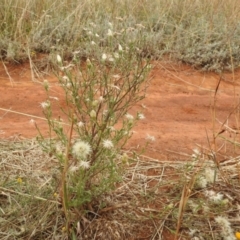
(179, 102)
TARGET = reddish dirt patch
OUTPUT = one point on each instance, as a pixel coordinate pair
(178, 110)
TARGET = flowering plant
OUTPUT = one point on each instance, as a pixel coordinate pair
(98, 97)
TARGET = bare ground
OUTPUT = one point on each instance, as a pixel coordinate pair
(179, 109)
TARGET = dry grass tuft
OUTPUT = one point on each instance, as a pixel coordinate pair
(145, 205)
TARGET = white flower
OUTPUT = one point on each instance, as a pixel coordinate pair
(76, 52)
(65, 81)
(65, 78)
(170, 206)
(107, 144)
(227, 232)
(110, 58)
(116, 55)
(150, 138)
(141, 116)
(149, 66)
(90, 33)
(129, 117)
(116, 76)
(59, 59)
(210, 175)
(93, 114)
(120, 49)
(81, 164)
(88, 62)
(193, 206)
(101, 99)
(96, 35)
(32, 122)
(73, 168)
(93, 43)
(94, 103)
(59, 148)
(196, 153)
(84, 164)
(110, 24)
(209, 193)
(81, 150)
(201, 182)
(110, 33)
(213, 196)
(104, 56)
(80, 124)
(68, 85)
(105, 112)
(111, 128)
(92, 24)
(45, 105)
(217, 198)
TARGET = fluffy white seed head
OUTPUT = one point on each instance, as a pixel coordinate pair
(94, 103)
(45, 105)
(120, 49)
(225, 225)
(101, 99)
(109, 33)
(210, 175)
(213, 196)
(93, 114)
(129, 117)
(107, 144)
(150, 138)
(59, 59)
(201, 182)
(104, 56)
(89, 63)
(84, 164)
(32, 122)
(80, 124)
(81, 150)
(141, 116)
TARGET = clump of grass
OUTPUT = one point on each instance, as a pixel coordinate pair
(203, 34)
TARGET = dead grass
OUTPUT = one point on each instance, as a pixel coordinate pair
(145, 205)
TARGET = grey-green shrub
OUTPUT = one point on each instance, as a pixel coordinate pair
(202, 33)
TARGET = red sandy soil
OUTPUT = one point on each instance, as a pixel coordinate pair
(178, 112)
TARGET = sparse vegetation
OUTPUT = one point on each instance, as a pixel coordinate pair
(202, 33)
(79, 183)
